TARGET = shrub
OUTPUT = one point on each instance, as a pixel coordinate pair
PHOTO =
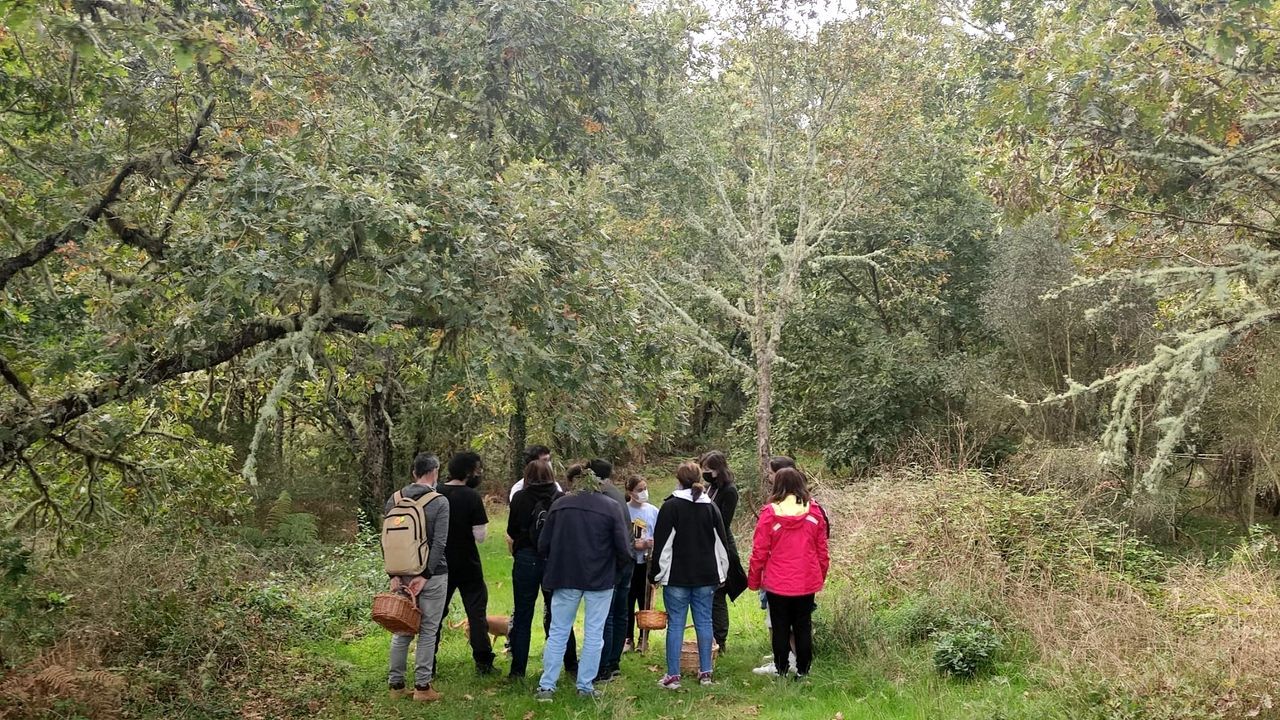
(27, 614)
(969, 647)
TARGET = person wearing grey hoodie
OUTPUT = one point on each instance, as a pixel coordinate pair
(691, 558)
(427, 589)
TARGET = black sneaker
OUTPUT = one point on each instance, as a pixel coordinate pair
(486, 669)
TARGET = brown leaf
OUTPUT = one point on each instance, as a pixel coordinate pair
(1234, 135)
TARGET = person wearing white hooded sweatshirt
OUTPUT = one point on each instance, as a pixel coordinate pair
(691, 557)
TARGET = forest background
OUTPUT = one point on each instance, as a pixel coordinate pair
(1003, 274)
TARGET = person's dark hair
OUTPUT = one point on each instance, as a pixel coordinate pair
(538, 472)
(789, 481)
(602, 468)
(778, 462)
(424, 463)
(632, 482)
(533, 452)
(689, 475)
(462, 465)
(715, 460)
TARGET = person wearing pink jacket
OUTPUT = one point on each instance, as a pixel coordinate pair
(789, 560)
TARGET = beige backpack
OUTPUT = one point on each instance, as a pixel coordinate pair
(405, 536)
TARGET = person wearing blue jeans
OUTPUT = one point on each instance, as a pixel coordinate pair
(564, 608)
(585, 542)
(680, 600)
(692, 555)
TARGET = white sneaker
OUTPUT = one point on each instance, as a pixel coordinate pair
(770, 668)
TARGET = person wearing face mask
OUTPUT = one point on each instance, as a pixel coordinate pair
(724, 493)
(644, 517)
(468, 526)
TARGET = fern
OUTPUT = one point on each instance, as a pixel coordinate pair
(297, 529)
(102, 680)
(58, 679)
(252, 536)
(280, 509)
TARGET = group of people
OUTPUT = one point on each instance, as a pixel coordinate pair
(583, 541)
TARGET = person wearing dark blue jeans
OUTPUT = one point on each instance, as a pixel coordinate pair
(615, 626)
(526, 583)
(527, 570)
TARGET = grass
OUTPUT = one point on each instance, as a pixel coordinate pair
(898, 683)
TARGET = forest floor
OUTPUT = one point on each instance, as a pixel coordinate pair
(894, 684)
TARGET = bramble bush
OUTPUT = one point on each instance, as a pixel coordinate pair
(968, 648)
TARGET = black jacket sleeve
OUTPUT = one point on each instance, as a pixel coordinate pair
(622, 543)
(661, 536)
(728, 503)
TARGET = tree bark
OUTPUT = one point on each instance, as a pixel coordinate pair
(379, 453)
(518, 427)
(764, 410)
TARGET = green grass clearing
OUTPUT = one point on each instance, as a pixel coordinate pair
(883, 684)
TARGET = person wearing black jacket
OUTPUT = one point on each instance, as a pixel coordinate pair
(724, 493)
(528, 567)
(691, 557)
(586, 543)
(615, 625)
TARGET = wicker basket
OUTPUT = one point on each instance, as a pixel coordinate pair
(651, 619)
(396, 612)
(689, 656)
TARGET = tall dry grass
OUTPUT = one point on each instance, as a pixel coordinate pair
(1101, 607)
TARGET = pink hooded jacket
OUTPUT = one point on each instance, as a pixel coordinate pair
(789, 552)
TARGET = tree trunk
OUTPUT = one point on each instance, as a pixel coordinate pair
(379, 456)
(518, 427)
(764, 410)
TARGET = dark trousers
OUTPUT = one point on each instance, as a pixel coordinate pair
(526, 585)
(720, 617)
(526, 582)
(615, 624)
(570, 647)
(792, 616)
(475, 602)
(635, 598)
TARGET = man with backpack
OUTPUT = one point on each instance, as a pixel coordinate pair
(468, 526)
(585, 542)
(415, 532)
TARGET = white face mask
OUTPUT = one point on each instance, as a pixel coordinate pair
(642, 496)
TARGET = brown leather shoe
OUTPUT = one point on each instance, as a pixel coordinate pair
(399, 693)
(425, 695)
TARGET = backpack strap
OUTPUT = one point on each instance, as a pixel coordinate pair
(396, 498)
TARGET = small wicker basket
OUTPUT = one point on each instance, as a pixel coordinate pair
(396, 612)
(651, 619)
(689, 656)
